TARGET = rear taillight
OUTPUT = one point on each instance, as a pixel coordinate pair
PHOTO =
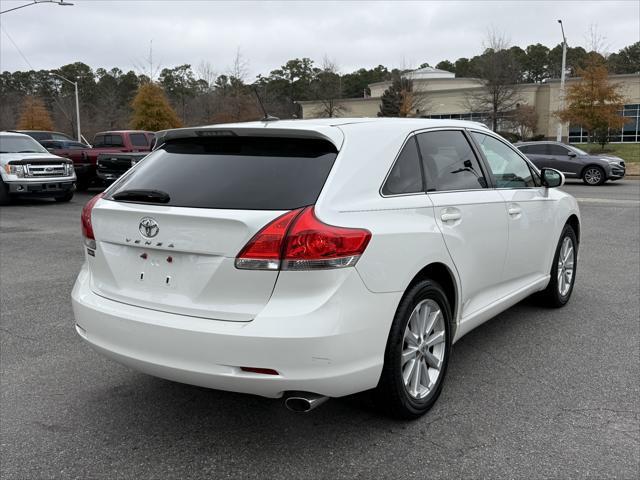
(264, 250)
(297, 240)
(87, 228)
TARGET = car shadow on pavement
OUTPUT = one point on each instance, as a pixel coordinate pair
(159, 423)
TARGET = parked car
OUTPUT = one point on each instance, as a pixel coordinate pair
(111, 166)
(319, 258)
(27, 168)
(41, 135)
(85, 159)
(574, 162)
(70, 145)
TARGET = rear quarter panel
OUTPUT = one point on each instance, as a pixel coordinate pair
(405, 236)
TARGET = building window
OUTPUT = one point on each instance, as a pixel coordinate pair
(471, 116)
(630, 132)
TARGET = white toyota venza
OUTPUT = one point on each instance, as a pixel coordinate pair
(319, 258)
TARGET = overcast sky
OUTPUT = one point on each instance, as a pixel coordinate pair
(111, 33)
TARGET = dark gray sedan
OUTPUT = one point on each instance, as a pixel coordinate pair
(573, 162)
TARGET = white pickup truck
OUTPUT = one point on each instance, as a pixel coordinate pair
(27, 168)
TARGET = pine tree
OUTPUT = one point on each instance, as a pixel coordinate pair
(399, 99)
(594, 103)
(151, 109)
(34, 115)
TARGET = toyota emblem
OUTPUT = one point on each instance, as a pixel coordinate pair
(148, 227)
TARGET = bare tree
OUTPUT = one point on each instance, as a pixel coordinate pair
(240, 67)
(327, 88)
(498, 71)
(146, 66)
(205, 101)
(596, 41)
(207, 74)
(233, 97)
(524, 120)
(414, 101)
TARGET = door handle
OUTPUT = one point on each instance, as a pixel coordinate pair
(451, 217)
(514, 210)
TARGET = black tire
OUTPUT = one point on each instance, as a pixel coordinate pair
(593, 175)
(551, 296)
(64, 198)
(4, 193)
(391, 395)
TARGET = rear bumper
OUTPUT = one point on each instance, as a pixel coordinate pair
(333, 346)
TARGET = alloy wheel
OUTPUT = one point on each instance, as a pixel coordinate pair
(423, 348)
(593, 176)
(566, 263)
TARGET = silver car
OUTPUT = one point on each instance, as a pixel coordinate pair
(573, 162)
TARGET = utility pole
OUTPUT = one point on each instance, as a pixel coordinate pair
(562, 75)
(75, 85)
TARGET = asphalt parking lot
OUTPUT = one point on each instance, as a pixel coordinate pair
(534, 393)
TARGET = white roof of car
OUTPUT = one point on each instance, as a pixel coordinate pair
(320, 127)
(13, 134)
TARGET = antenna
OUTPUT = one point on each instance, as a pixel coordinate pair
(267, 117)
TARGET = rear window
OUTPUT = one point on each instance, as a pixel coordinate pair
(108, 140)
(243, 173)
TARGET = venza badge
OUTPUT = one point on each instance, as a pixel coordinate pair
(148, 227)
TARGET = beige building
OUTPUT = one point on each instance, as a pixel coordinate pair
(444, 96)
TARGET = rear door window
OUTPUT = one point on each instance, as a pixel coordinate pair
(139, 140)
(243, 173)
(449, 162)
(60, 136)
(557, 150)
(406, 176)
(50, 144)
(39, 135)
(534, 149)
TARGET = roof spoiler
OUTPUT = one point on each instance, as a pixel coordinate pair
(330, 134)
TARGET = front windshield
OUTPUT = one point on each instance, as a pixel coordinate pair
(20, 144)
(577, 150)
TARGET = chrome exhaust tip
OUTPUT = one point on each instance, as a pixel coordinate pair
(303, 402)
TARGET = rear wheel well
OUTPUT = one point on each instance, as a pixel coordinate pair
(440, 273)
(574, 223)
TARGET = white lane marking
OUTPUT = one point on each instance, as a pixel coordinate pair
(607, 200)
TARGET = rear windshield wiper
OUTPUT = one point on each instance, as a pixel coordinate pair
(151, 196)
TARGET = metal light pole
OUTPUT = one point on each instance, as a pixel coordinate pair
(35, 2)
(562, 74)
(75, 85)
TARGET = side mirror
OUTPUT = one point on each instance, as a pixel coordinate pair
(551, 178)
(572, 154)
(51, 150)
